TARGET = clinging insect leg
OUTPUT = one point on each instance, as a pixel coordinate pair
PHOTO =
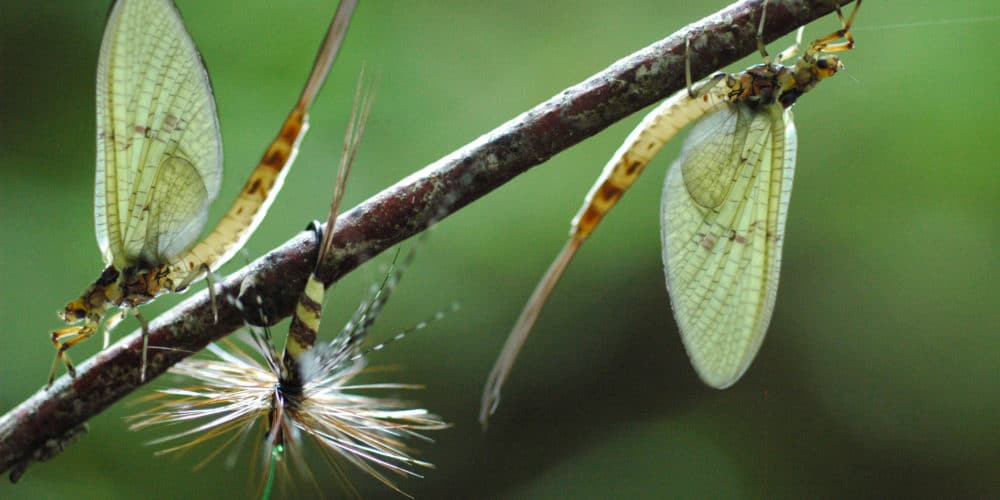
(845, 26)
(55, 365)
(687, 67)
(75, 335)
(824, 44)
(703, 86)
(145, 342)
(112, 322)
(210, 279)
(790, 52)
(760, 33)
(785, 54)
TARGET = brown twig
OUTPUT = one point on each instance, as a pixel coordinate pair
(40, 427)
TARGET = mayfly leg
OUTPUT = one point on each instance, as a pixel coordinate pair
(309, 310)
(790, 52)
(645, 141)
(824, 43)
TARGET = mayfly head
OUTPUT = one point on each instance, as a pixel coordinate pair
(819, 62)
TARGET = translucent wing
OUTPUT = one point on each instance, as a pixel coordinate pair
(723, 219)
(159, 153)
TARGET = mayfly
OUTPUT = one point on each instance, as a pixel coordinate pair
(159, 166)
(724, 206)
(308, 393)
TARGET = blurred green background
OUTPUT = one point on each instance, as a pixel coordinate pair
(881, 370)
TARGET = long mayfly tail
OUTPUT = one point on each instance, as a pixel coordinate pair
(327, 53)
(621, 171)
(309, 310)
(260, 190)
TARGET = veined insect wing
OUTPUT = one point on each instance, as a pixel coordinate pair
(722, 238)
(159, 146)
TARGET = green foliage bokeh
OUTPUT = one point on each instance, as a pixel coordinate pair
(881, 367)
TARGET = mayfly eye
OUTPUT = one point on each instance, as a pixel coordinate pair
(829, 63)
(72, 313)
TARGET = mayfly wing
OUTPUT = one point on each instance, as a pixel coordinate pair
(723, 214)
(159, 152)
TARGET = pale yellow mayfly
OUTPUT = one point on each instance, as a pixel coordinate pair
(159, 166)
(724, 206)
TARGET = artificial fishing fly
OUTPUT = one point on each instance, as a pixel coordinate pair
(309, 394)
